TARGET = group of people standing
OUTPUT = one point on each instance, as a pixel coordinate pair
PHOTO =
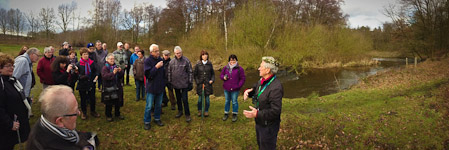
(159, 79)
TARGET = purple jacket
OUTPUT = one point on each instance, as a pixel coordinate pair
(235, 80)
(155, 77)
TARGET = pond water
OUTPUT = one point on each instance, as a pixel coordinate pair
(320, 81)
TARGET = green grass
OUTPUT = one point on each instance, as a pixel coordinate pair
(404, 109)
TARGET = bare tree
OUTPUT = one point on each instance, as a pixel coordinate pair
(33, 23)
(47, 16)
(137, 17)
(16, 21)
(4, 20)
(64, 12)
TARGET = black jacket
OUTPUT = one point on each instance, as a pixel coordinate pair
(64, 52)
(11, 102)
(270, 102)
(85, 82)
(202, 75)
(61, 77)
(43, 139)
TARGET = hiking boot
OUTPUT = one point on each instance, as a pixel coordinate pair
(159, 123)
(109, 119)
(173, 108)
(199, 114)
(188, 119)
(234, 117)
(137, 99)
(225, 117)
(147, 126)
(163, 105)
(95, 114)
(83, 116)
(178, 115)
(206, 114)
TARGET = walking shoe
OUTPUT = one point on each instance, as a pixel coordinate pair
(225, 117)
(173, 108)
(199, 114)
(95, 114)
(178, 115)
(109, 119)
(163, 105)
(147, 126)
(137, 99)
(120, 117)
(83, 116)
(188, 119)
(234, 117)
(206, 114)
(159, 123)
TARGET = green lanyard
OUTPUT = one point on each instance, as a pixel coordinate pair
(260, 92)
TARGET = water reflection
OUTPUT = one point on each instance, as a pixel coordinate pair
(321, 81)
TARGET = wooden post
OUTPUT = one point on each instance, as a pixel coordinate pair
(416, 61)
(406, 61)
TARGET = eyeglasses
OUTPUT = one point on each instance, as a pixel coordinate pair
(9, 66)
(71, 115)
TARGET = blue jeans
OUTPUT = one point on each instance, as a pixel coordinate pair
(200, 103)
(140, 88)
(182, 100)
(157, 99)
(235, 104)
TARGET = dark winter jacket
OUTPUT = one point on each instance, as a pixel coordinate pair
(101, 58)
(64, 52)
(180, 74)
(85, 82)
(110, 79)
(155, 76)
(138, 69)
(11, 103)
(44, 70)
(43, 139)
(203, 74)
(61, 77)
(270, 101)
(235, 80)
(128, 54)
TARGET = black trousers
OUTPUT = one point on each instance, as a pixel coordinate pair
(87, 96)
(182, 100)
(127, 74)
(108, 110)
(267, 136)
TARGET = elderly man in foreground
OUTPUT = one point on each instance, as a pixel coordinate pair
(55, 129)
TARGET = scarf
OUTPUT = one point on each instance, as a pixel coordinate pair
(86, 64)
(204, 62)
(19, 88)
(231, 67)
(64, 133)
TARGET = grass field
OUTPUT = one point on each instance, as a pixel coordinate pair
(398, 109)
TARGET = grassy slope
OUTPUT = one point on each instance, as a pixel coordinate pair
(404, 108)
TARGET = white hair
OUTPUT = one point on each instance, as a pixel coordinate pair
(109, 55)
(32, 50)
(271, 64)
(47, 49)
(54, 102)
(177, 48)
(152, 47)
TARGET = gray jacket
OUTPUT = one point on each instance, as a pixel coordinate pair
(180, 73)
(120, 58)
(101, 58)
(22, 72)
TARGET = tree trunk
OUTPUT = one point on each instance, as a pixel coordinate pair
(224, 24)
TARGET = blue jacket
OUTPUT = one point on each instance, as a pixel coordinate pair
(133, 58)
(155, 77)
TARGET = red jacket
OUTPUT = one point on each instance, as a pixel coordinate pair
(44, 70)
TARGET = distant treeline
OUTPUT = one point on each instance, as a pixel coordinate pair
(300, 33)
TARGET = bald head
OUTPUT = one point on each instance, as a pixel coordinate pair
(56, 101)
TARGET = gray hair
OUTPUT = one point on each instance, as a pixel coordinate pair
(98, 41)
(47, 49)
(32, 50)
(271, 64)
(152, 47)
(54, 102)
(109, 55)
(177, 48)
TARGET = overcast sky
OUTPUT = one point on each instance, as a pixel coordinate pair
(361, 12)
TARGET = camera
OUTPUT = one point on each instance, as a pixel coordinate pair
(255, 101)
(121, 62)
(73, 68)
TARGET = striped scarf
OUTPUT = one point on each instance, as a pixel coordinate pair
(86, 64)
(66, 134)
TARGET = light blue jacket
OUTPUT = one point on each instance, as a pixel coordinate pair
(22, 71)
